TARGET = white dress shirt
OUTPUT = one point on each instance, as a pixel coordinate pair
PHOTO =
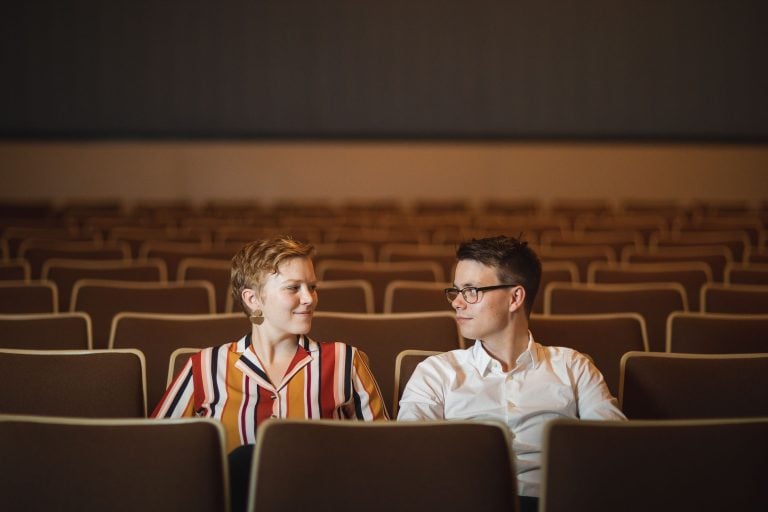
(546, 383)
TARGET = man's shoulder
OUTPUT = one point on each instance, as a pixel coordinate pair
(451, 358)
(556, 352)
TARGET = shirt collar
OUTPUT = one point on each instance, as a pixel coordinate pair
(304, 342)
(484, 362)
(250, 364)
(532, 351)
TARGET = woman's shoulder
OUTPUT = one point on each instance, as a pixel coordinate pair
(311, 342)
(238, 346)
(339, 348)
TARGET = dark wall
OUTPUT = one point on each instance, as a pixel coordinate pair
(605, 69)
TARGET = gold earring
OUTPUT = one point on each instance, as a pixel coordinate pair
(257, 317)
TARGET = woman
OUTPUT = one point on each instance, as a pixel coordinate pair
(276, 370)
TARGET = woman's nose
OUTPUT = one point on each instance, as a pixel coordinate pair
(307, 296)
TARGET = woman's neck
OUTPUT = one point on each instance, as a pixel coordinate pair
(274, 353)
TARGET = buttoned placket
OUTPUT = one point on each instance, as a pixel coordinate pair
(277, 404)
(509, 387)
(497, 373)
(263, 380)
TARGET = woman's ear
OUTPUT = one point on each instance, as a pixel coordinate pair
(251, 299)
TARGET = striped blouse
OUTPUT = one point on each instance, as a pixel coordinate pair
(228, 383)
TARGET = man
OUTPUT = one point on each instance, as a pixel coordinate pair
(505, 375)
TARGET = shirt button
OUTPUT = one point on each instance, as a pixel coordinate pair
(273, 397)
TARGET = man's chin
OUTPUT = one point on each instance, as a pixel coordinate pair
(467, 333)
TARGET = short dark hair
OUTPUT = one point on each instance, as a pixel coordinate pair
(514, 260)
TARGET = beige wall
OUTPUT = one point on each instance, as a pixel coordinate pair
(338, 171)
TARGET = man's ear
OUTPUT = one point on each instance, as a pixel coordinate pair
(517, 300)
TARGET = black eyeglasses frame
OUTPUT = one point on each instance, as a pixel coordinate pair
(477, 289)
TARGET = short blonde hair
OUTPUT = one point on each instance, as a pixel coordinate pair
(256, 259)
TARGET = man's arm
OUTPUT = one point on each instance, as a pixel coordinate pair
(594, 399)
(423, 398)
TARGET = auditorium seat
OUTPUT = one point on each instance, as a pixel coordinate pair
(103, 299)
(135, 237)
(416, 466)
(736, 241)
(345, 296)
(717, 333)
(644, 224)
(616, 240)
(376, 237)
(454, 235)
(79, 383)
(637, 466)
(667, 209)
(415, 296)
(14, 236)
(661, 386)
(232, 235)
(379, 274)
(28, 297)
(46, 331)
(350, 251)
(100, 226)
(691, 275)
(716, 256)
(215, 271)
(530, 227)
(37, 252)
(757, 256)
(14, 270)
(752, 273)
(76, 464)
(580, 256)
(554, 272)
(573, 208)
(749, 224)
(734, 298)
(654, 301)
(173, 253)
(66, 272)
(510, 207)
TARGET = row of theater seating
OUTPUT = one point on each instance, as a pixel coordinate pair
(739, 235)
(716, 249)
(652, 290)
(113, 383)
(384, 338)
(64, 262)
(136, 465)
(442, 223)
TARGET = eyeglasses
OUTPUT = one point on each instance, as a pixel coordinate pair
(471, 294)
